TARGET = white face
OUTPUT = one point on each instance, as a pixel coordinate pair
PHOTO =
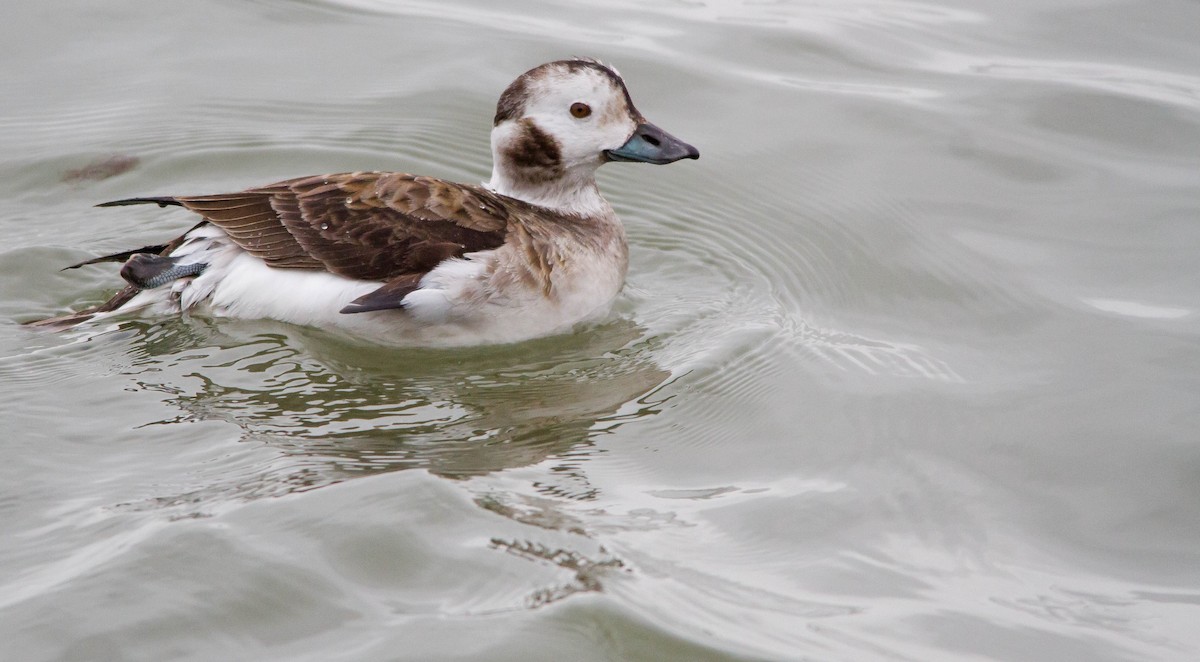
(557, 123)
(584, 110)
(558, 119)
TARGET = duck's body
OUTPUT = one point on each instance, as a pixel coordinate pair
(417, 260)
(389, 256)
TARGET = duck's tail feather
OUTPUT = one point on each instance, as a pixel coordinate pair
(64, 322)
(156, 249)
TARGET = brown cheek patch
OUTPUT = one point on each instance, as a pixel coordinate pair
(535, 154)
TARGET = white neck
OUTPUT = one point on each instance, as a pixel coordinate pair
(575, 192)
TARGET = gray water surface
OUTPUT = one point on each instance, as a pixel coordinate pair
(906, 367)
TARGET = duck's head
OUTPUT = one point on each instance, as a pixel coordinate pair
(558, 122)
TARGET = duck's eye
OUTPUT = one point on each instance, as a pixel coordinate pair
(580, 110)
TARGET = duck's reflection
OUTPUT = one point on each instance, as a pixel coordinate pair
(333, 410)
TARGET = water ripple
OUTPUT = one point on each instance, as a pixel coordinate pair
(1127, 80)
(764, 284)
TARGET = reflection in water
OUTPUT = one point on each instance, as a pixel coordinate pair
(337, 410)
(587, 575)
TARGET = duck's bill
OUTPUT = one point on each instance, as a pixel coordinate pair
(650, 144)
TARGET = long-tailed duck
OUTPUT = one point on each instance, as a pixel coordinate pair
(407, 259)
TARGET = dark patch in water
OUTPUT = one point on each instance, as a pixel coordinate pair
(101, 169)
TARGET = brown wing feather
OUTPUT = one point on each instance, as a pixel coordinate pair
(367, 226)
(389, 227)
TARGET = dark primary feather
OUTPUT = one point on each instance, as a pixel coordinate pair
(161, 202)
(386, 297)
